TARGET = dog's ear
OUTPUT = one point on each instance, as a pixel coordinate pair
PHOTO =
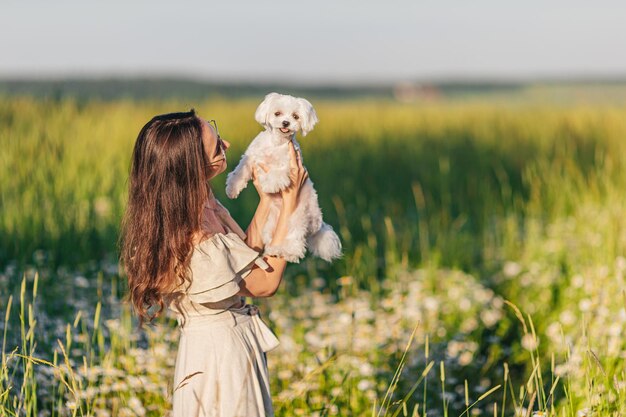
(309, 117)
(263, 111)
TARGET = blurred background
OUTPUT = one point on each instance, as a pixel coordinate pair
(470, 155)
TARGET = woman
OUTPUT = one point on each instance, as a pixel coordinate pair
(182, 250)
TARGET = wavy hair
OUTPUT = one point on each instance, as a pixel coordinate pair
(168, 185)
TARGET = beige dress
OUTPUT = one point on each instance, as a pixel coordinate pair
(221, 367)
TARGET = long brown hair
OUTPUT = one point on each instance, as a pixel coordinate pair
(168, 186)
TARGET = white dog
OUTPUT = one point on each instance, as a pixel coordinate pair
(282, 116)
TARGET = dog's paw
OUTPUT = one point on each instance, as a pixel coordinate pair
(231, 192)
(290, 254)
(233, 187)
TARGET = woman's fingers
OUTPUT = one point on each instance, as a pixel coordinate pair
(298, 173)
(299, 155)
(293, 158)
(255, 173)
(263, 166)
(259, 165)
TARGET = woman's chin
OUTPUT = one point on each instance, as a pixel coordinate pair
(216, 173)
(222, 169)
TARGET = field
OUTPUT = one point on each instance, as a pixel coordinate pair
(484, 267)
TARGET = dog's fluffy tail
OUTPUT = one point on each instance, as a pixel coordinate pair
(325, 243)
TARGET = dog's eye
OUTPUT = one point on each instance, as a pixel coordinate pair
(295, 116)
(277, 113)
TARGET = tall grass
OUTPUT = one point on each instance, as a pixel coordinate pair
(64, 167)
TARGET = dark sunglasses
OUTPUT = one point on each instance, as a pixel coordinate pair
(220, 143)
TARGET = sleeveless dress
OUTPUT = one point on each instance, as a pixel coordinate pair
(221, 367)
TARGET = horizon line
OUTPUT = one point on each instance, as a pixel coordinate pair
(577, 78)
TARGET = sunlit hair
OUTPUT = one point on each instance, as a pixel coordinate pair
(168, 186)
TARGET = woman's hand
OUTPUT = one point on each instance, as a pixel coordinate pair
(255, 180)
(253, 233)
(298, 175)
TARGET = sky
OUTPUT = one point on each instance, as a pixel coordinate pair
(340, 41)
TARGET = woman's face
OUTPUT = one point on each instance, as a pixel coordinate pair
(215, 149)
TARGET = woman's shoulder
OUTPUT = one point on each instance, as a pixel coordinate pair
(205, 235)
(217, 265)
(222, 244)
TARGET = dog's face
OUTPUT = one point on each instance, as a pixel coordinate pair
(284, 115)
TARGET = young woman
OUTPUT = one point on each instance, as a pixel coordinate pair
(182, 250)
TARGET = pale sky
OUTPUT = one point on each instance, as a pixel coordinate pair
(316, 41)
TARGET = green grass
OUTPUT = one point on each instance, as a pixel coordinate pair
(484, 247)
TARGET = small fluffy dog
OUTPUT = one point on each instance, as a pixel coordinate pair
(282, 116)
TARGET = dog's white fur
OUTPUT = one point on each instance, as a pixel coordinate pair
(270, 148)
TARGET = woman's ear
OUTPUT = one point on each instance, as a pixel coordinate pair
(310, 117)
(263, 111)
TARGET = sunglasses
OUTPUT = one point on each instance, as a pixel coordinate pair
(220, 144)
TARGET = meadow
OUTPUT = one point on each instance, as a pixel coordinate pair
(484, 267)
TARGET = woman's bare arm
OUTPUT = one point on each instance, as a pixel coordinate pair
(253, 232)
(264, 283)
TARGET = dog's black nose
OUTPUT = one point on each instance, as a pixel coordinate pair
(285, 123)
